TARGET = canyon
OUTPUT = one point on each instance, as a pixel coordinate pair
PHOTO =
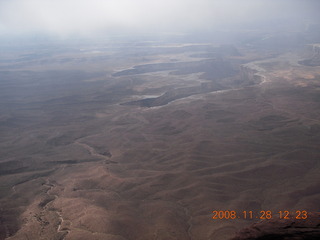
(120, 142)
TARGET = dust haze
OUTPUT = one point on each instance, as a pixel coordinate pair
(88, 18)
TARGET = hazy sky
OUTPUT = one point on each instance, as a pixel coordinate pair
(86, 17)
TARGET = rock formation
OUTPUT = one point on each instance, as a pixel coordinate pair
(251, 73)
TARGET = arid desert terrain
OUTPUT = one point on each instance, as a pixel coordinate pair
(147, 139)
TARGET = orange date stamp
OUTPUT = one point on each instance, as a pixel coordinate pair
(263, 214)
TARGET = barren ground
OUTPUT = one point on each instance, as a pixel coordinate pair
(85, 153)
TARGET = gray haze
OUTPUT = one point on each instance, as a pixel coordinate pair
(89, 17)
